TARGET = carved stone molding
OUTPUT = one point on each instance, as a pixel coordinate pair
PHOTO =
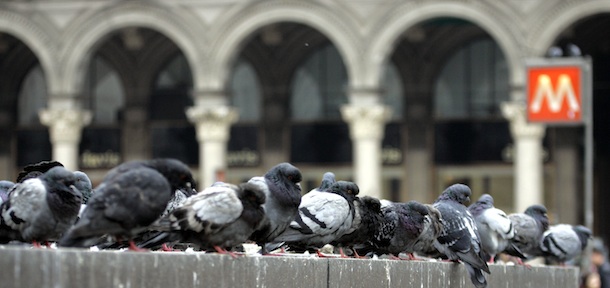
(212, 123)
(366, 122)
(65, 124)
(515, 112)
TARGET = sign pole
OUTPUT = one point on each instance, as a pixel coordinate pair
(588, 177)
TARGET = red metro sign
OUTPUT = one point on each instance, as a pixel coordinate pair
(555, 93)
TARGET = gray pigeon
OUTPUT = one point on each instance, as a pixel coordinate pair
(282, 199)
(131, 196)
(563, 242)
(323, 216)
(494, 226)
(529, 228)
(401, 228)
(221, 216)
(459, 239)
(5, 187)
(41, 209)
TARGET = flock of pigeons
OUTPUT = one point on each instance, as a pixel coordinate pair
(155, 204)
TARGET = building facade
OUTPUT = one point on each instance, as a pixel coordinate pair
(403, 97)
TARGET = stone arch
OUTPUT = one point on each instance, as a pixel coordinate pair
(243, 24)
(81, 42)
(557, 21)
(38, 38)
(408, 16)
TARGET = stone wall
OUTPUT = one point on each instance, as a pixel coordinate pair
(27, 267)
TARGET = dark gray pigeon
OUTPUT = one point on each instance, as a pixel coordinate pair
(433, 226)
(563, 242)
(41, 209)
(221, 216)
(494, 226)
(323, 216)
(282, 199)
(5, 187)
(401, 228)
(368, 218)
(130, 197)
(459, 239)
(529, 228)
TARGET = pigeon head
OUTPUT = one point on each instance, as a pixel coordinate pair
(485, 202)
(457, 192)
(372, 203)
(5, 187)
(59, 175)
(251, 193)
(347, 189)
(327, 180)
(539, 212)
(283, 180)
(176, 172)
(83, 184)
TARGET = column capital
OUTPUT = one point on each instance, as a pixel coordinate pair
(366, 121)
(65, 124)
(516, 113)
(212, 123)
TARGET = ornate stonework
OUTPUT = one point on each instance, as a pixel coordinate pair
(65, 125)
(212, 123)
(366, 122)
(515, 112)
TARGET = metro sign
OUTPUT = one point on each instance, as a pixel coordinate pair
(555, 94)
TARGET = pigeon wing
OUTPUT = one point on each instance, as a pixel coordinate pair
(213, 208)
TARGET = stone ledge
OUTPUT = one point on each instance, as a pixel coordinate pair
(27, 267)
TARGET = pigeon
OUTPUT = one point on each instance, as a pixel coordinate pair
(563, 242)
(221, 216)
(433, 226)
(400, 229)
(36, 169)
(282, 198)
(130, 197)
(323, 216)
(459, 239)
(529, 228)
(494, 226)
(41, 209)
(368, 218)
(5, 187)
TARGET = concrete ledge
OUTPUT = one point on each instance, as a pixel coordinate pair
(27, 267)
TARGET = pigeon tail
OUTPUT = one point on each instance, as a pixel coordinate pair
(476, 276)
(156, 241)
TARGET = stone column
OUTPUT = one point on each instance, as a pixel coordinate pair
(213, 126)
(65, 129)
(528, 156)
(367, 126)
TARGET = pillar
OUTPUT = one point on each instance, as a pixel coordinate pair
(65, 130)
(528, 156)
(367, 126)
(213, 126)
